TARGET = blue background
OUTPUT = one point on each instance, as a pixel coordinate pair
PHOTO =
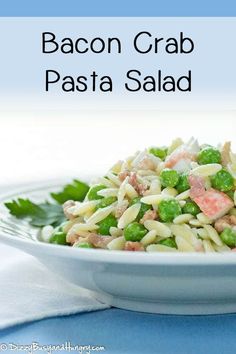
(117, 8)
(124, 332)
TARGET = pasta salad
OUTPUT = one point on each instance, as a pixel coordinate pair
(179, 198)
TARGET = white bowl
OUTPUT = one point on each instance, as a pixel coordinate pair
(169, 283)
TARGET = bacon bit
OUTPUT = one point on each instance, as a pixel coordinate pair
(121, 209)
(133, 246)
(99, 241)
(122, 175)
(149, 215)
(197, 186)
(71, 236)
(139, 187)
(133, 180)
(225, 153)
(233, 249)
(81, 239)
(66, 206)
(199, 247)
(221, 224)
(226, 221)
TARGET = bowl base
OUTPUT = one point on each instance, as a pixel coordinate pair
(168, 308)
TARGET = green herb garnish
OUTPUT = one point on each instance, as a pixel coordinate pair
(48, 213)
(77, 190)
(38, 214)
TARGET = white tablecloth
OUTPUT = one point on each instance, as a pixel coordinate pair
(30, 292)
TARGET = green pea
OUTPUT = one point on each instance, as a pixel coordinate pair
(223, 181)
(105, 224)
(105, 202)
(183, 183)
(228, 236)
(191, 208)
(92, 193)
(169, 209)
(169, 242)
(134, 232)
(58, 238)
(169, 178)
(143, 209)
(209, 155)
(160, 152)
(84, 245)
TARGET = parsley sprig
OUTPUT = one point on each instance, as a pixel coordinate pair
(47, 213)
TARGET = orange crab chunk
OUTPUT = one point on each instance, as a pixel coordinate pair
(213, 203)
(175, 158)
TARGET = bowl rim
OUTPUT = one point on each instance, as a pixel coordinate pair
(104, 256)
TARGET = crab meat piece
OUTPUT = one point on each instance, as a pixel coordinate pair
(180, 159)
(148, 162)
(197, 186)
(214, 204)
